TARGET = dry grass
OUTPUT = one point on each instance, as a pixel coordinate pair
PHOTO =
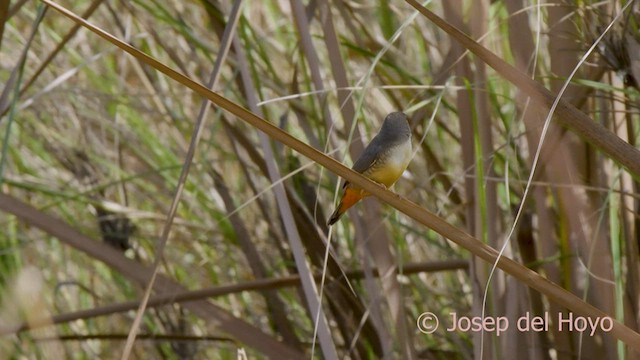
(115, 168)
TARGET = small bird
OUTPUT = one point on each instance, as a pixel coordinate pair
(383, 161)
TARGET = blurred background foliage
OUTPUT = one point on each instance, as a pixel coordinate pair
(97, 140)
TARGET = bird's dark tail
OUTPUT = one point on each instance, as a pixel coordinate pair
(336, 215)
(351, 197)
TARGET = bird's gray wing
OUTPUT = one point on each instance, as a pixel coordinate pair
(368, 158)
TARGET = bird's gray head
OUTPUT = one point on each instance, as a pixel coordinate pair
(396, 127)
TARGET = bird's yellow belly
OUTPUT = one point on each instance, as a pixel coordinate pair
(392, 167)
(387, 176)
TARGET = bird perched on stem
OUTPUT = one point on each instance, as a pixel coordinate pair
(383, 161)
